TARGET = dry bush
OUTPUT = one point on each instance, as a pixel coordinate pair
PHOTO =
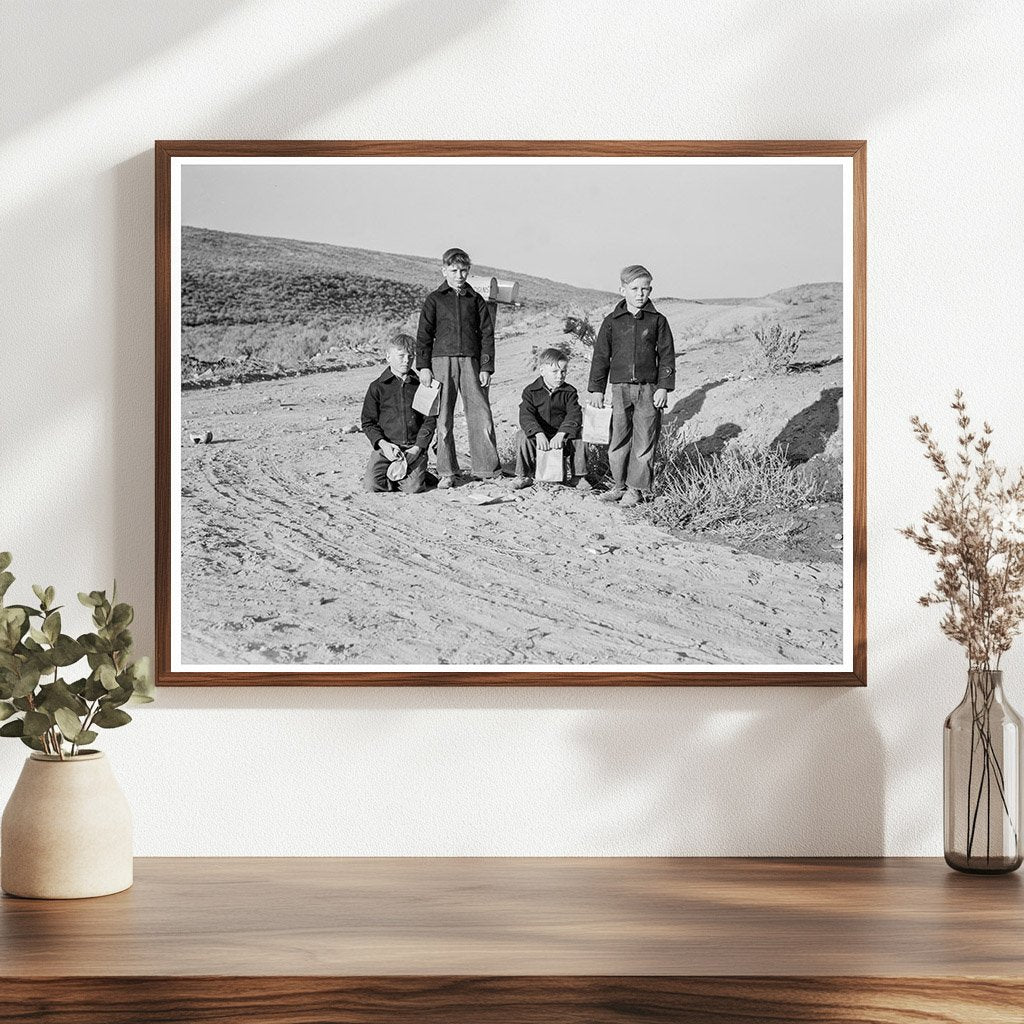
(739, 492)
(777, 344)
(579, 326)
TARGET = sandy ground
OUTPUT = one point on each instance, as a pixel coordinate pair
(286, 561)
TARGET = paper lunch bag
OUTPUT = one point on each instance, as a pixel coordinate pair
(550, 466)
(427, 400)
(597, 425)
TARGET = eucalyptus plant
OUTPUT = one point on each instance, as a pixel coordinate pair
(46, 712)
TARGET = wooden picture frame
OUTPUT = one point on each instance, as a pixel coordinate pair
(231, 570)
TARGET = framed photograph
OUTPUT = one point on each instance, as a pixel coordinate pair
(510, 413)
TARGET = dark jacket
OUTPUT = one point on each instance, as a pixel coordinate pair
(548, 412)
(633, 350)
(388, 414)
(454, 324)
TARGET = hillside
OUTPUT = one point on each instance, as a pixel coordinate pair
(287, 303)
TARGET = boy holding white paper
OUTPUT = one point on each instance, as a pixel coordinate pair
(399, 434)
(635, 351)
(550, 419)
(455, 347)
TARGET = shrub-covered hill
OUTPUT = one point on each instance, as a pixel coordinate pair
(254, 307)
(246, 279)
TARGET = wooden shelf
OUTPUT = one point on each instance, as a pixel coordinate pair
(573, 941)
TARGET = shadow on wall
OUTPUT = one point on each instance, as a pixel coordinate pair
(738, 772)
(807, 433)
(334, 76)
(117, 35)
(843, 44)
(394, 39)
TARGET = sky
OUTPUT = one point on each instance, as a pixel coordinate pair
(703, 230)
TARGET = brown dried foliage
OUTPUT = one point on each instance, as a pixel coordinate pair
(975, 529)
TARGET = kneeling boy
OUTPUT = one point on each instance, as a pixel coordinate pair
(397, 432)
(550, 417)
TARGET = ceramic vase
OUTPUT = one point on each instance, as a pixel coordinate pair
(66, 831)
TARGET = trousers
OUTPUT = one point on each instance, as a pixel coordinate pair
(526, 455)
(461, 374)
(636, 425)
(376, 476)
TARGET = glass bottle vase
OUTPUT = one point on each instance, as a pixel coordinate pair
(981, 774)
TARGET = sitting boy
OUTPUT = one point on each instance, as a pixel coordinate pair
(399, 434)
(550, 417)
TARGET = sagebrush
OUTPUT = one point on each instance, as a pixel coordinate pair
(744, 492)
(778, 344)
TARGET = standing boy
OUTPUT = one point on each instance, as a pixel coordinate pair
(634, 348)
(455, 346)
(550, 417)
(398, 433)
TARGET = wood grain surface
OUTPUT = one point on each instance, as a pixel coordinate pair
(523, 939)
(165, 151)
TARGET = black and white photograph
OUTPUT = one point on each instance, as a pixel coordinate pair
(535, 415)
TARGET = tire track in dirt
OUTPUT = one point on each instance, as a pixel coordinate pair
(286, 561)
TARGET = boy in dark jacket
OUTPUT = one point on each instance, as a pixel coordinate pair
(550, 417)
(398, 433)
(455, 346)
(634, 348)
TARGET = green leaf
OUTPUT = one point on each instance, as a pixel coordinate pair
(67, 651)
(6, 579)
(38, 635)
(50, 595)
(40, 592)
(69, 724)
(124, 641)
(31, 741)
(51, 626)
(108, 718)
(107, 676)
(115, 698)
(59, 695)
(10, 662)
(15, 728)
(5, 559)
(94, 644)
(29, 611)
(87, 736)
(13, 625)
(122, 616)
(27, 681)
(22, 703)
(94, 689)
(36, 723)
(89, 600)
(6, 710)
(142, 681)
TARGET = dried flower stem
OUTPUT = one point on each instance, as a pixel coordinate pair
(975, 529)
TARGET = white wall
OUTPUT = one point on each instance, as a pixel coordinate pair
(936, 88)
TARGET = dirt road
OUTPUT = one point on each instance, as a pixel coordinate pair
(286, 561)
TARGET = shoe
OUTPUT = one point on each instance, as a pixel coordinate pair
(583, 484)
(613, 495)
(521, 483)
(631, 498)
(445, 482)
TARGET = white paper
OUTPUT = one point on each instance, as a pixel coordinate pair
(426, 399)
